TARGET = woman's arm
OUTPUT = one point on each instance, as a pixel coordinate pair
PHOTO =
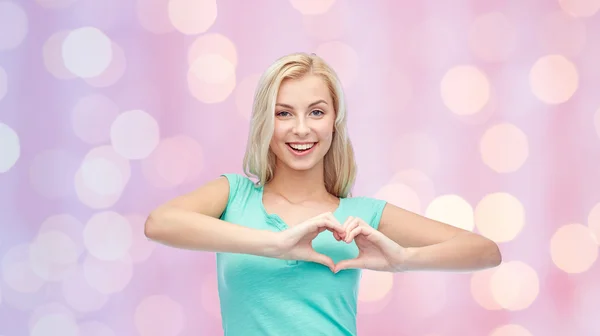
(191, 221)
(433, 245)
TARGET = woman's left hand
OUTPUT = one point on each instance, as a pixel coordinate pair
(376, 251)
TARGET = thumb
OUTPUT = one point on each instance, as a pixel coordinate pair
(321, 259)
(347, 264)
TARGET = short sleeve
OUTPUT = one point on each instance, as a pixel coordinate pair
(240, 189)
(376, 206)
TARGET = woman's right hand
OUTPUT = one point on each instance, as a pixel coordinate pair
(295, 243)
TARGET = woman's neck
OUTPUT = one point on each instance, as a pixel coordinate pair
(298, 186)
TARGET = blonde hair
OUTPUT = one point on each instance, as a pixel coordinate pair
(259, 160)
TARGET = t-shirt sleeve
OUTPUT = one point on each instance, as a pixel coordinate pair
(376, 207)
(239, 191)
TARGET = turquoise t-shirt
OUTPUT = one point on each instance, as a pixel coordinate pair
(267, 296)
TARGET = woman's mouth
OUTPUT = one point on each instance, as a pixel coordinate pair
(301, 148)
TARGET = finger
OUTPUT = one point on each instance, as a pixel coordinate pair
(348, 264)
(322, 259)
(351, 226)
(331, 225)
(353, 233)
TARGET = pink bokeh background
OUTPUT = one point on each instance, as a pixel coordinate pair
(481, 114)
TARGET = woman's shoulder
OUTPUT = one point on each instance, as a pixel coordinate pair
(365, 207)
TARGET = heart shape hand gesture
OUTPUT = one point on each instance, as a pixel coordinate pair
(376, 251)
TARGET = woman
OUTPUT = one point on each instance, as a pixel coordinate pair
(290, 247)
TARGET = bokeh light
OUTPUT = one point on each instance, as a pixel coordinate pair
(211, 78)
(80, 295)
(374, 286)
(47, 309)
(465, 89)
(328, 25)
(134, 134)
(418, 181)
(101, 178)
(55, 3)
(493, 37)
(141, 247)
(213, 44)
(176, 160)
(416, 150)
(553, 79)
(580, 8)
(504, 148)
(114, 71)
(55, 324)
(510, 330)
(53, 57)
(453, 210)
(192, 17)
(593, 222)
(573, 248)
(87, 52)
(500, 217)
(481, 289)
(107, 236)
(52, 254)
(14, 25)
(400, 195)
(172, 318)
(17, 272)
(10, 147)
(515, 285)
(244, 95)
(95, 328)
(51, 173)
(108, 277)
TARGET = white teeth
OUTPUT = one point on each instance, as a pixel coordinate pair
(302, 147)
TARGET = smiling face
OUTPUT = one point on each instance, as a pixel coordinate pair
(304, 123)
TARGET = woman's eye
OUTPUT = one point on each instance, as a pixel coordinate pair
(318, 112)
(283, 114)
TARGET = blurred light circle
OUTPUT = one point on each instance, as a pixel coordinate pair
(134, 134)
(504, 148)
(14, 25)
(573, 248)
(170, 323)
(328, 25)
(107, 236)
(553, 79)
(52, 254)
(580, 8)
(515, 285)
(55, 324)
(481, 289)
(114, 72)
(102, 171)
(211, 78)
(53, 58)
(416, 150)
(192, 17)
(400, 195)
(213, 44)
(374, 286)
(510, 330)
(465, 90)
(95, 328)
(594, 222)
(561, 33)
(176, 160)
(68, 225)
(17, 272)
(312, 7)
(92, 117)
(87, 52)
(47, 309)
(417, 181)
(10, 148)
(499, 217)
(453, 210)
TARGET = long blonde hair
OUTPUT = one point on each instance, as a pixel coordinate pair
(259, 160)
